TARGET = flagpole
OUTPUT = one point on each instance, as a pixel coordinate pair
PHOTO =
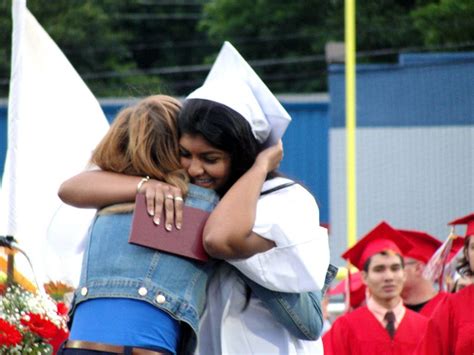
(350, 90)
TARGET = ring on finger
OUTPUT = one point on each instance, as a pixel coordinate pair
(178, 198)
(169, 196)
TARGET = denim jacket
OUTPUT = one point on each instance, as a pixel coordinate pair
(114, 268)
(300, 313)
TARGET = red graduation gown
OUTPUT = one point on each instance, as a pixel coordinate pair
(360, 333)
(429, 308)
(455, 319)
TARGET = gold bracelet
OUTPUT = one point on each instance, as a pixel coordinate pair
(141, 182)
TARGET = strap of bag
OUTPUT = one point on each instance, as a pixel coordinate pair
(276, 188)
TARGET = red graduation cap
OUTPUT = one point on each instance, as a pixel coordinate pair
(424, 245)
(357, 287)
(469, 220)
(382, 238)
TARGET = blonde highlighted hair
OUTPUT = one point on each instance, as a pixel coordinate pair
(143, 140)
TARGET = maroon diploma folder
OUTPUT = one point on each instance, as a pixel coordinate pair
(185, 242)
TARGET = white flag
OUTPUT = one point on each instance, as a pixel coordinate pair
(54, 122)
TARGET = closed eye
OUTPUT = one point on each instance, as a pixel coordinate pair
(210, 159)
(184, 153)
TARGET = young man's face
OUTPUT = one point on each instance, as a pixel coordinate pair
(385, 277)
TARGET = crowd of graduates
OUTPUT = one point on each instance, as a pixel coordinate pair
(412, 294)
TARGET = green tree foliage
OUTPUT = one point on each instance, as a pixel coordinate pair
(5, 47)
(162, 34)
(81, 28)
(117, 45)
(300, 29)
(446, 22)
(139, 47)
(266, 29)
(385, 24)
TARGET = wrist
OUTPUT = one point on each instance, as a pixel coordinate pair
(262, 168)
(141, 183)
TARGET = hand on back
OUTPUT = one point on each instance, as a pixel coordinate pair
(271, 157)
(160, 195)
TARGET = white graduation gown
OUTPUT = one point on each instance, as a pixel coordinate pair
(298, 263)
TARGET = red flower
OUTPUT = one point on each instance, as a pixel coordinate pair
(61, 309)
(60, 337)
(9, 335)
(40, 326)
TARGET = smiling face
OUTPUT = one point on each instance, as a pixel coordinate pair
(206, 166)
(385, 277)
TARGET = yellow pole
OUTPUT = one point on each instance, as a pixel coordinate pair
(350, 81)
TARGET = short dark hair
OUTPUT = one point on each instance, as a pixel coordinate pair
(367, 262)
(224, 129)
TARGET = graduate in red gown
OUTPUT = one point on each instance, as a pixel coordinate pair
(384, 325)
(357, 290)
(419, 294)
(455, 315)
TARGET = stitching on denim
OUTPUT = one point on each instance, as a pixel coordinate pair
(153, 265)
(197, 275)
(294, 317)
(173, 305)
(85, 261)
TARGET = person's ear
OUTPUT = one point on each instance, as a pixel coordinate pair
(419, 267)
(364, 277)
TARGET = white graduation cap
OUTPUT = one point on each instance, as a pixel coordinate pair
(233, 83)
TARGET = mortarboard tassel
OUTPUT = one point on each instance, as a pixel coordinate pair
(435, 267)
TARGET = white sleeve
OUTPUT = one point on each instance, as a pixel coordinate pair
(298, 263)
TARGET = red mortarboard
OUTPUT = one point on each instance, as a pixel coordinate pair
(424, 245)
(381, 238)
(357, 289)
(469, 220)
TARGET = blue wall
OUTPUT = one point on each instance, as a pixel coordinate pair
(305, 143)
(421, 90)
(306, 150)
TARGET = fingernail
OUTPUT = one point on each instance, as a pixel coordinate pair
(178, 226)
(156, 221)
(168, 227)
(151, 212)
